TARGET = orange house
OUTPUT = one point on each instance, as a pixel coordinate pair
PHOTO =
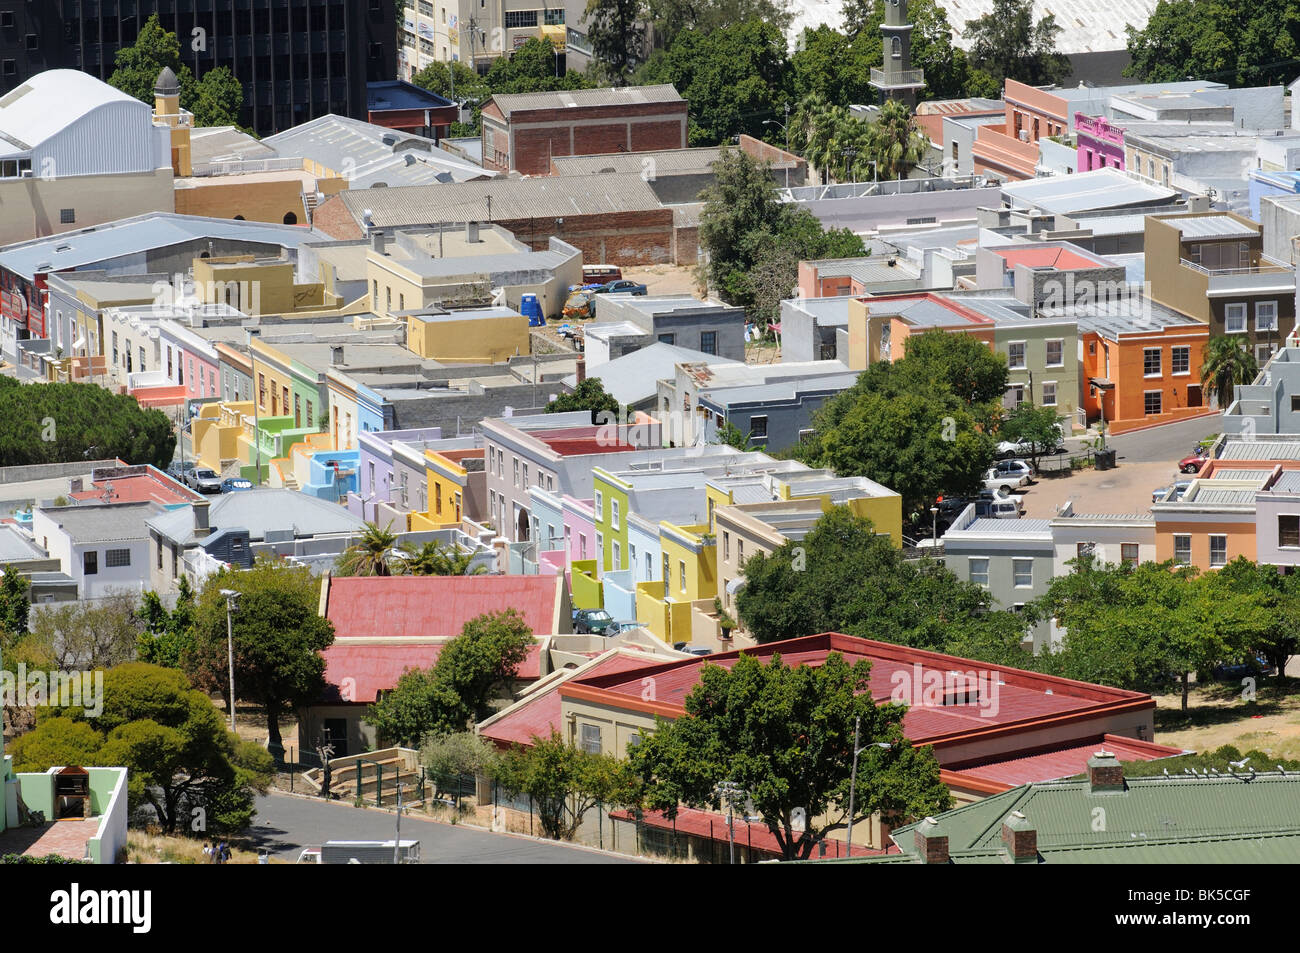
(1141, 364)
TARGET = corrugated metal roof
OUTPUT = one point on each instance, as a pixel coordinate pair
(1086, 191)
(259, 510)
(1288, 482)
(107, 523)
(1212, 226)
(578, 98)
(1261, 450)
(427, 607)
(49, 102)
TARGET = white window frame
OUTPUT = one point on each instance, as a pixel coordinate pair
(1052, 402)
(1174, 352)
(1187, 539)
(1160, 395)
(1236, 311)
(1223, 559)
(971, 562)
(600, 506)
(1024, 355)
(613, 514)
(1259, 324)
(1047, 357)
(1016, 572)
(1159, 371)
(615, 556)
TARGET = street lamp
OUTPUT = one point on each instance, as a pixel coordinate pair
(231, 595)
(934, 512)
(397, 842)
(784, 127)
(853, 778)
(731, 792)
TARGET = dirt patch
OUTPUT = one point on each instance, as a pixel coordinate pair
(1218, 715)
(1125, 489)
(667, 279)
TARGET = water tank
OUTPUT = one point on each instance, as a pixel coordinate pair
(531, 308)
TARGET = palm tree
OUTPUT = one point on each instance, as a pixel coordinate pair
(435, 559)
(1227, 363)
(894, 141)
(371, 555)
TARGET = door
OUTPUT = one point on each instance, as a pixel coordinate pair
(1193, 395)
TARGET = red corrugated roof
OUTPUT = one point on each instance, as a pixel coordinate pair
(372, 668)
(429, 607)
(538, 716)
(709, 825)
(140, 488)
(1064, 762)
(1062, 259)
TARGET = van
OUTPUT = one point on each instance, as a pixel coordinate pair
(1000, 508)
(600, 274)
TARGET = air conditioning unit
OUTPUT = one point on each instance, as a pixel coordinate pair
(1024, 135)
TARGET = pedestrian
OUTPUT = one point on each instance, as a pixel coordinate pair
(207, 852)
(223, 853)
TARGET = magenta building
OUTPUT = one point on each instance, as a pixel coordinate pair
(1101, 145)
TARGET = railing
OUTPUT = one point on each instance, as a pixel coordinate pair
(907, 77)
(1265, 269)
(241, 166)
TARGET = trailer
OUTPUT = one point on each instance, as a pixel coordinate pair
(362, 852)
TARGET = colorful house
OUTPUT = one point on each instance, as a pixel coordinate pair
(455, 488)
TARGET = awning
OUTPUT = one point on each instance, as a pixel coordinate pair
(735, 586)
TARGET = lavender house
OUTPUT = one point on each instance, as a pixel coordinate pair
(375, 484)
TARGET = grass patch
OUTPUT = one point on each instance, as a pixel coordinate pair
(148, 847)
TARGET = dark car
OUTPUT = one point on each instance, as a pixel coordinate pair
(622, 286)
(1251, 667)
(594, 622)
(235, 484)
(179, 471)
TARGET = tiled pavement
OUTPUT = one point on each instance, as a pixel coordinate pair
(68, 838)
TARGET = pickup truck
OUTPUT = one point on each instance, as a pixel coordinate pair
(360, 852)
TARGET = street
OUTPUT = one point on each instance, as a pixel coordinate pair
(286, 824)
(1169, 443)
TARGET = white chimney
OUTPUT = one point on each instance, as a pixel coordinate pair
(336, 355)
(471, 232)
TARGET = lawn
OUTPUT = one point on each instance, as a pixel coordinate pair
(1219, 715)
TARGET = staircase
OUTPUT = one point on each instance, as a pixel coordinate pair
(381, 772)
(309, 202)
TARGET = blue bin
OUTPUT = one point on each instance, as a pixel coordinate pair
(531, 308)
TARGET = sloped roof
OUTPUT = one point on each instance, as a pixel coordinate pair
(1063, 762)
(577, 98)
(428, 607)
(369, 669)
(49, 102)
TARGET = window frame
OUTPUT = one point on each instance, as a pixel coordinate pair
(1228, 309)
(1219, 542)
(971, 574)
(1016, 562)
(1146, 403)
(1183, 543)
(1060, 343)
(1293, 535)
(1185, 352)
(1147, 354)
(1024, 355)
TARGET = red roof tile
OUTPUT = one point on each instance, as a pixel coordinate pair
(1062, 259)
(155, 487)
(429, 607)
(1063, 762)
(714, 826)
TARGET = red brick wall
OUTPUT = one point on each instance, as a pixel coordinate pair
(631, 238)
(541, 134)
(333, 218)
(534, 148)
(658, 134)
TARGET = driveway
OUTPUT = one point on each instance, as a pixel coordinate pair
(1169, 442)
(1126, 489)
(286, 824)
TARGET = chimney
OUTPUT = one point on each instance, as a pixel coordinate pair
(75, 485)
(582, 369)
(379, 242)
(201, 525)
(1105, 773)
(471, 232)
(336, 355)
(931, 842)
(1019, 840)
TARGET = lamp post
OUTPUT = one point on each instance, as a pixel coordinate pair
(231, 595)
(397, 841)
(853, 777)
(934, 512)
(784, 127)
(731, 792)
(848, 154)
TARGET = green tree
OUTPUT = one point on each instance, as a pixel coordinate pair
(563, 782)
(1239, 43)
(730, 435)
(87, 635)
(785, 735)
(1039, 427)
(894, 142)
(1227, 362)
(55, 742)
(216, 99)
(278, 637)
(589, 395)
(66, 423)
(672, 18)
(413, 709)
(844, 577)
(616, 36)
(15, 606)
(375, 553)
(1281, 597)
(435, 559)
(167, 635)
(1006, 43)
(449, 757)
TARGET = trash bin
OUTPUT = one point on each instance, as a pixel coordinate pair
(1105, 459)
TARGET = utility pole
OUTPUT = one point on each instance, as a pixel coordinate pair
(730, 792)
(397, 842)
(231, 595)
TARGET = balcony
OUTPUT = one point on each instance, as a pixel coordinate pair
(1264, 278)
(903, 79)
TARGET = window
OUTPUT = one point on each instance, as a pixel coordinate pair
(726, 545)
(1022, 572)
(1234, 318)
(117, 557)
(1055, 353)
(649, 566)
(667, 339)
(1049, 393)
(979, 570)
(600, 506)
(1218, 550)
(1182, 550)
(590, 733)
(1263, 352)
(631, 558)
(681, 574)
(758, 426)
(90, 562)
(516, 480)
(1266, 316)
(67, 216)
(600, 548)
(582, 545)
(954, 150)
(709, 342)
(616, 557)
(554, 17)
(1151, 361)
(740, 552)
(143, 366)
(1288, 530)
(1181, 360)
(1016, 355)
(1152, 402)
(524, 485)
(613, 514)
(519, 19)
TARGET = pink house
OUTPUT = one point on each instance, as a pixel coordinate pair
(189, 360)
(579, 528)
(1101, 145)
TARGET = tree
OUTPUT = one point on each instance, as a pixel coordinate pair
(562, 781)
(730, 435)
(373, 554)
(450, 757)
(278, 637)
(616, 37)
(785, 735)
(167, 635)
(15, 606)
(588, 395)
(1039, 427)
(87, 635)
(435, 559)
(215, 100)
(894, 142)
(1281, 597)
(844, 577)
(1242, 44)
(67, 423)
(456, 691)
(1007, 44)
(959, 363)
(1227, 362)
(672, 18)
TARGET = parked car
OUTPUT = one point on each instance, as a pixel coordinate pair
(594, 622)
(235, 484)
(600, 274)
(1003, 482)
(1023, 448)
(1194, 462)
(691, 649)
(1172, 493)
(623, 286)
(992, 504)
(1016, 468)
(580, 306)
(1258, 666)
(203, 480)
(177, 471)
(628, 626)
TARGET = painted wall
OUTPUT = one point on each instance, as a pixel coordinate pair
(1240, 533)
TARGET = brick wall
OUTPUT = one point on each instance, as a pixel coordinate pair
(541, 134)
(333, 218)
(629, 238)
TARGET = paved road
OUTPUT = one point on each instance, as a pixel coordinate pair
(287, 824)
(1171, 442)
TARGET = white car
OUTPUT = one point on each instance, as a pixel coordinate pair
(1008, 449)
(1003, 483)
(1016, 468)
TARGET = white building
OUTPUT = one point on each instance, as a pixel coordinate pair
(105, 548)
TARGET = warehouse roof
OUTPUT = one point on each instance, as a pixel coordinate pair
(48, 103)
(1085, 191)
(577, 98)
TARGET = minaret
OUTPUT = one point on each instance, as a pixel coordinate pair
(167, 112)
(897, 80)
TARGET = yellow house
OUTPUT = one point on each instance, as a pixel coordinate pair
(448, 478)
(258, 287)
(480, 336)
(689, 576)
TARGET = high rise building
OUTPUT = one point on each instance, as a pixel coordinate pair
(297, 59)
